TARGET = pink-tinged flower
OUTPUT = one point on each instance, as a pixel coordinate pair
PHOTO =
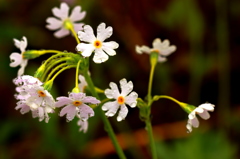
(38, 97)
(96, 44)
(75, 105)
(63, 20)
(40, 112)
(163, 48)
(83, 125)
(123, 98)
(23, 83)
(83, 83)
(32, 97)
(202, 111)
(17, 58)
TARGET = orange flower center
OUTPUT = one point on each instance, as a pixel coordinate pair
(97, 44)
(41, 94)
(121, 100)
(77, 103)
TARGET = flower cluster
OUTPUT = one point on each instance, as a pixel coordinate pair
(33, 97)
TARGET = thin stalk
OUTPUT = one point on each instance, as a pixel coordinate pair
(151, 138)
(55, 69)
(74, 34)
(63, 69)
(150, 84)
(106, 122)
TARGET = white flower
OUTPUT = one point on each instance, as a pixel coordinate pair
(202, 111)
(162, 48)
(83, 125)
(122, 99)
(63, 18)
(97, 44)
(17, 58)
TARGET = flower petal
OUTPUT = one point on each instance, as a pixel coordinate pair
(109, 46)
(83, 125)
(85, 112)
(122, 112)
(62, 101)
(76, 14)
(162, 59)
(194, 122)
(157, 44)
(103, 33)
(91, 100)
(207, 106)
(70, 111)
(54, 23)
(86, 49)
(143, 49)
(62, 12)
(77, 96)
(87, 34)
(22, 68)
(111, 108)
(126, 87)
(23, 44)
(205, 115)
(113, 92)
(100, 56)
(16, 59)
(131, 99)
(78, 26)
(61, 33)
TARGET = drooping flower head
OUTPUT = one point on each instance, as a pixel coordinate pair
(202, 111)
(121, 99)
(17, 58)
(162, 48)
(96, 44)
(63, 20)
(32, 97)
(75, 105)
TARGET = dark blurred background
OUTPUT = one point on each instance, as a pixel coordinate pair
(205, 68)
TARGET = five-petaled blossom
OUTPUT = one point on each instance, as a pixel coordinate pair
(97, 44)
(162, 48)
(33, 97)
(202, 111)
(17, 58)
(75, 105)
(123, 98)
(63, 20)
(83, 125)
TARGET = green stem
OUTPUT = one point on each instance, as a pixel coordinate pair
(51, 51)
(74, 34)
(151, 138)
(48, 67)
(63, 69)
(55, 69)
(77, 70)
(150, 84)
(170, 98)
(106, 122)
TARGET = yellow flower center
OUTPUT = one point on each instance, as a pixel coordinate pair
(97, 44)
(41, 94)
(77, 103)
(121, 100)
